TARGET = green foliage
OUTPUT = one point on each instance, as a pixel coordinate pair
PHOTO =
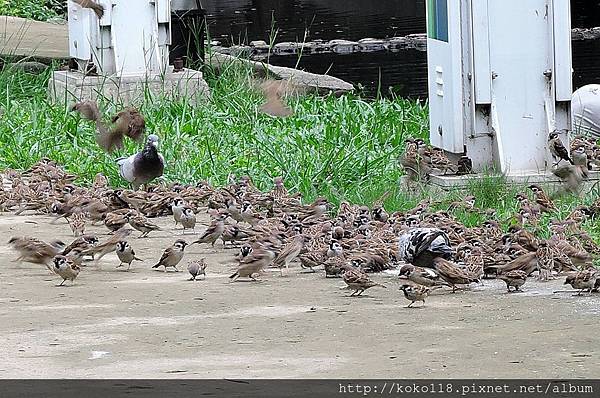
(34, 9)
(342, 148)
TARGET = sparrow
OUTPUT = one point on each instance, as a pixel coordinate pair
(453, 274)
(334, 266)
(253, 263)
(357, 280)
(523, 237)
(172, 255)
(583, 280)
(82, 243)
(196, 268)
(109, 245)
(214, 230)
(413, 163)
(235, 233)
(542, 199)
(545, 260)
(421, 276)
(32, 250)
(279, 191)
(335, 249)
(311, 260)
(77, 224)
(572, 176)
(415, 293)
(142, 167)
(131, 123)
(379, 214)
(65, 268)
(188, 219)
(289, 252)
(92, 5)
(126, 124)
(76, 256)
(245, 250)
(515, 278)
(248, 214)
(100, 182)
(557, 149)
(126, 254)
(141, 223)
(177, 208)
(273, 91)
(314, 211)
(580, 158)
(116, 220)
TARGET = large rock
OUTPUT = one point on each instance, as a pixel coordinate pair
(322, 83)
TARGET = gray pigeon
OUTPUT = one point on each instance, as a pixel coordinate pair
(144, 166)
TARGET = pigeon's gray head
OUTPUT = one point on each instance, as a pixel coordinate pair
(153, 140)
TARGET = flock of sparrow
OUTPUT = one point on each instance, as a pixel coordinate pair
(420, 161)
(431, 248)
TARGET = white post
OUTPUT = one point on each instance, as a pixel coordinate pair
(499, 80)
(131, 39)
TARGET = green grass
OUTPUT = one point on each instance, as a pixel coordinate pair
(41, 10)
(344, 147)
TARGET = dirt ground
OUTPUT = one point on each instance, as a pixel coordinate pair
(150, 324)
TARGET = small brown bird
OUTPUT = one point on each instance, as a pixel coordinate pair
(117, 219)
(109, 245)
(335, 249)
(92, 5)
(131, 123)
(453, 274)
(65, 268)
(141, 223)
(273, 91)
(542, 199)
(188, 219)
(100, 182)
(82, 243)
(126, 254)
(177, 208)
(128, 123)
(197, 268)
(415, 293)
(77, 223)
(289, 252)
(253, 263)
(214, 230)
(514, 279)
(545, 260)
(32, 250)
(235, 233)
(421, 276)
(583, 280)
(412, 162)
(172, 255)
(526, 262)
(279, 191)
(557, 149)
(357, 280)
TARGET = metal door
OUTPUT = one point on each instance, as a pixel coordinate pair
(521, 54)
(444, 56)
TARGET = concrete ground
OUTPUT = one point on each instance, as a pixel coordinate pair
(150, 324)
